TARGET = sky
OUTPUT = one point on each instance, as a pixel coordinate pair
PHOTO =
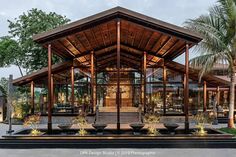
(171, 11)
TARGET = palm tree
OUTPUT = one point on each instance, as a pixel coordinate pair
(218, 29)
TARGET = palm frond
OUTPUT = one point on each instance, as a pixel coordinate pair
(205, 62)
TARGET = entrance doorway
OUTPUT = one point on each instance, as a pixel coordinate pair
(130, 92)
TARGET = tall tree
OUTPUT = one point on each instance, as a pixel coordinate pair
(10, 53)
(31, 56)
(218, 29)
(3, 86)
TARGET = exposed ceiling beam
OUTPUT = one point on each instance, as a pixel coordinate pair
(173, 45)
(163, 45)
(62, 44)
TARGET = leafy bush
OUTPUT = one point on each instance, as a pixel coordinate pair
(20, 110)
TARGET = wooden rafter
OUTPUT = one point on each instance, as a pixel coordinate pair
(163, 45)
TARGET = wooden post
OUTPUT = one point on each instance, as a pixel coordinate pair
(72, 88)
(49, 89)
(52, 90)
(164, 88)
(67, 91)
(204, 96)
(32, 96)
(218, 95)
(92, 81)
(96, 87)
(198, 95)
(118, 76)
(141, 88)
(186, 89)
(144, 79)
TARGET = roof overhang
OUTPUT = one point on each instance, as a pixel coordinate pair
(98, 33)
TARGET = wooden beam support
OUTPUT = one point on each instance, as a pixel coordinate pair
(163, 45)
(218, 95)
(204, 96)
(73, 45)
(32, 96)
(186, 89)
(199, 95)
(92, 81)
(82, 54)
(49, 89)
(52, 89)
(96, 86)
(118, 94)
(173, 45)
(72, 87)
(67, 90)
(164, 89)
(144, 79)
(66, 48)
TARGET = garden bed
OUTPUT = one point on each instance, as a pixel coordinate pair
(108, 133)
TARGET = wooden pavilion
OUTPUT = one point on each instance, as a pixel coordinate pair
(117, 41)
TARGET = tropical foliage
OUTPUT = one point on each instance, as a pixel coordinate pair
(33, 122)
(81, 121)
(218, 29)
(152, 120)
(3, 86)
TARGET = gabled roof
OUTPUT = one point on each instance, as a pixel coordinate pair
(98, 33)
(117, 12)
(40, 74)
(194, 75)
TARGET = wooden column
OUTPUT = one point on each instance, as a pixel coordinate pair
(87, 88)
(144, 80)
(141, 87)
(199, 95)
(67, 91)
(92, 81)
(164, 88)
(49, 89)
(218, 95)
(186, 89)
(72, 88)
(118, 76)
(52, 91)
(204, 96)
(32, 96)
(96, 87)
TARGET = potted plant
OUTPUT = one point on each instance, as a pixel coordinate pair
(81, 122)
(151, 120)
(201, 119)
(33, 122)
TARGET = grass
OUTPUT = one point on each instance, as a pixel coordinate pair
(228, 130)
